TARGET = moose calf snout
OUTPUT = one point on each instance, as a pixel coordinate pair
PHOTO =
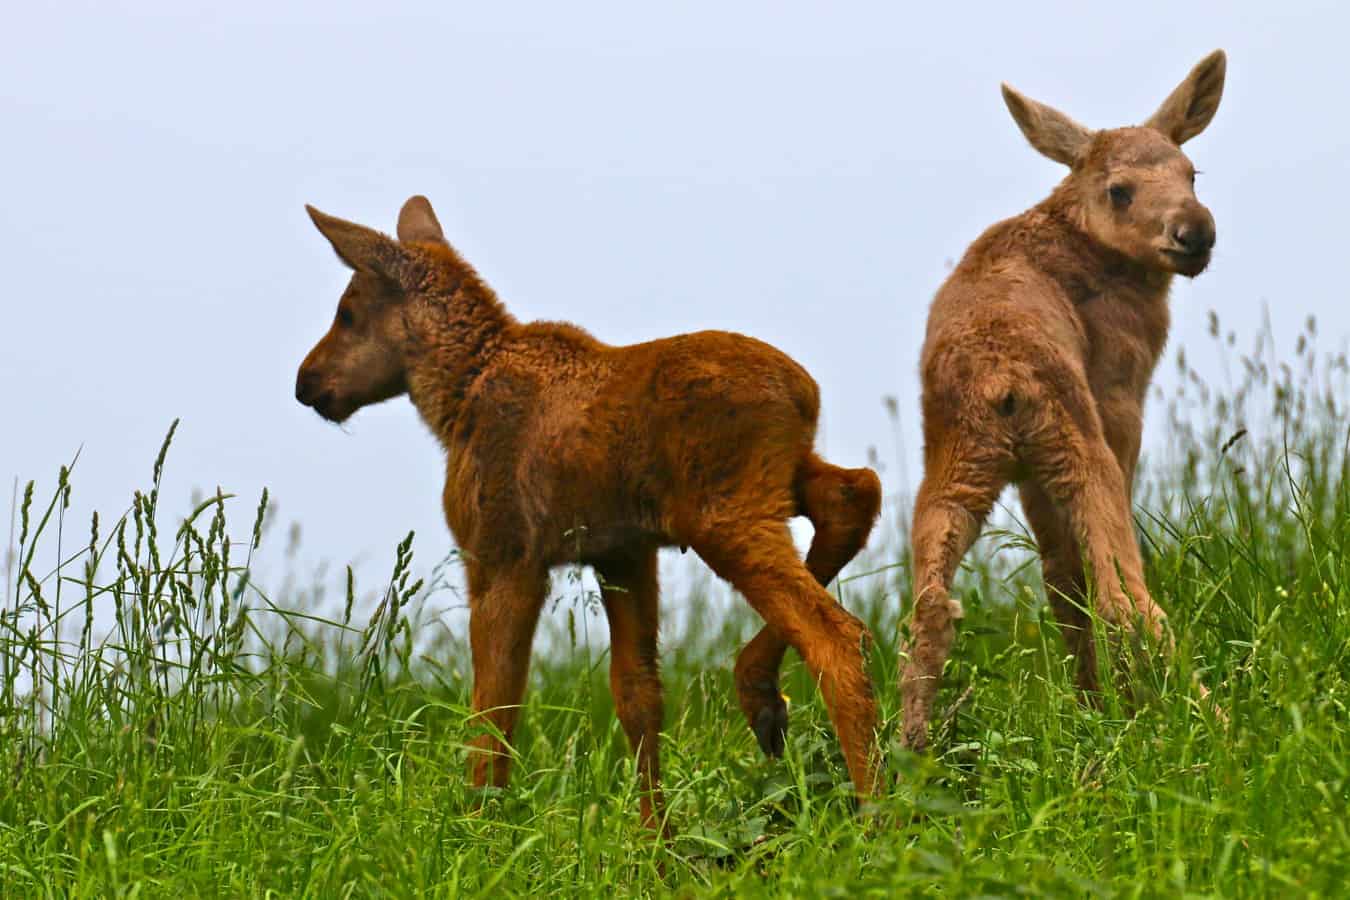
(1194, 234)
(307, 386)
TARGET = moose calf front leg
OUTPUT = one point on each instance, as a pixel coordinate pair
(756, 676)
(631, 596)
(503, 611)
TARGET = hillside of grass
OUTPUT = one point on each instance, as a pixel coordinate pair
(171, 726)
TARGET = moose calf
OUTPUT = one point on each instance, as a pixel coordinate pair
(1038, 355)
(562, 449)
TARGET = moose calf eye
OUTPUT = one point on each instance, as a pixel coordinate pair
(344, 317)
(1120, 194)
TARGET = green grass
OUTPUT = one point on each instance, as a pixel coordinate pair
(216, 742)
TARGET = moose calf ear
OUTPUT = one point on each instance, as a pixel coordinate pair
(1187, 111)
(417, 222)
(1050, 131)
(362, 248)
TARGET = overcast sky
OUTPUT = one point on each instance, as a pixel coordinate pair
(802, 173)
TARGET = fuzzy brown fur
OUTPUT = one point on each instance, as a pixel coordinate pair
(1038, 355)
(562, 449)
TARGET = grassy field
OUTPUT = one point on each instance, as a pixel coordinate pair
(216, 741)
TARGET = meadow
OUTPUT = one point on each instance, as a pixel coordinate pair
(219, 737)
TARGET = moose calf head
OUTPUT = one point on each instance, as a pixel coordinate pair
(362, 359)
(1132, 189)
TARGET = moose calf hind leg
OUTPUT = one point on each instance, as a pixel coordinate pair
(1065, 583)
(761, 562)
(948, 515)
(1080, 474)
(842, 505)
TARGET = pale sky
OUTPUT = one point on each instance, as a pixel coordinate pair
(799, 172)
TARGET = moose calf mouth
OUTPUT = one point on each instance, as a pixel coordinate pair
(327, 407)
(1188, 264)
(330, 410)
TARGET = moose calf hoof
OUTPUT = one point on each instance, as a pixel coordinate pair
(770, 728)
(766, 711)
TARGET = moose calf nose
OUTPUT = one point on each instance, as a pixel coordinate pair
(306, 386)
(1193, 237)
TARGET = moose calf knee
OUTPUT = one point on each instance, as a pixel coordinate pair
(865, 487)
(846, 502)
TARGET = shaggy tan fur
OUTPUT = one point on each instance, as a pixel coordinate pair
(561, 449)
(1038, 355)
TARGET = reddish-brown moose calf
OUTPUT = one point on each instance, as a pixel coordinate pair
(1039, 351)
(562, 449)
